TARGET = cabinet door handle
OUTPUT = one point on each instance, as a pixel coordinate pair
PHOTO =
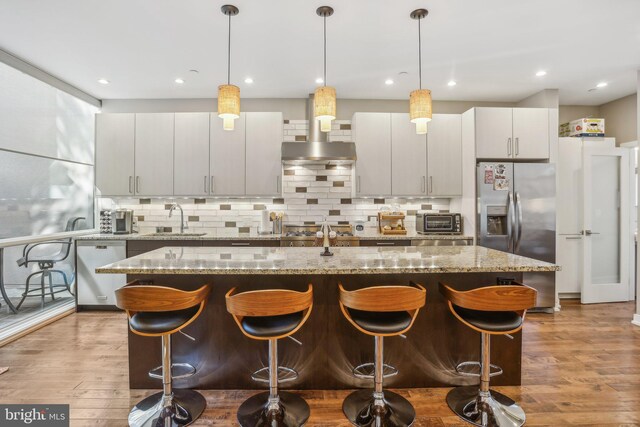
(239, 243)
(130, 184)
(205, 184)
(101, 247)
(430, 184)
(212, 188)
(137, 184)
(277, 183)
(385, 244)
(358, 184)
(508, 146)
(423, 186)
(517, 146)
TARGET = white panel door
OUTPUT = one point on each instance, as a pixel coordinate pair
(372, 135)
(227, 174)
(263, 156)
(408, 158)
(494, 133)
(191, 155)
(115, 135)
(154, 154)
(606, 201)
(531, 133)
(444, 154)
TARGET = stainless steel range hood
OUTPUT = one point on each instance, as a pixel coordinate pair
(318, 149)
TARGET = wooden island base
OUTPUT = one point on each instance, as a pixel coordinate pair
(225, 358)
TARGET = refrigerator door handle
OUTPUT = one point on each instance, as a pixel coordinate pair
(510, 222)
(518, 221)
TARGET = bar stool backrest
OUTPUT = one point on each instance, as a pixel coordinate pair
(269, 302)
(135, 298)
(517, 298)
(383, 299)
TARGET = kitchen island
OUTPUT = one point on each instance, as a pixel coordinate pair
(331, 347)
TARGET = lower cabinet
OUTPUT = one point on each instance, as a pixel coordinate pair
(97, 290)
(569, 258)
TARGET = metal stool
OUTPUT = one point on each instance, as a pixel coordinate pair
(491, 310)
(161, 311)
(380, 311)
(269, 315)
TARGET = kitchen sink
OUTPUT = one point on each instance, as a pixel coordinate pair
(176, 234)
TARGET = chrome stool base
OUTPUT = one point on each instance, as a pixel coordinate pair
(294, 411)
(178, 371)
(360, 410)
(492, 409)
(285, 375)
(366, 371)
(186, 407)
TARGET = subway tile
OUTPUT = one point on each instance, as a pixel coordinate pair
(301, 138)
(334, 212)
(338, 183)
(425, 207)
(193, 218)
(278, 201)
(244, 229)
(321, 177)
(289, 172)
(145, 201)
(301, 189)
(225, 207)
(378, 201)
(259, 207)
(345, 201)
(312, 201)
(199, 201)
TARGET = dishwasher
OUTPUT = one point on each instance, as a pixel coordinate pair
(96, 291)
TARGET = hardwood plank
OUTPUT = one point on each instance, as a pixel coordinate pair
(580, 367)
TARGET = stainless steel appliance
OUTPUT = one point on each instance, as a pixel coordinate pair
(122, 221)
(439, 223)
(517, 213)
(305, 235)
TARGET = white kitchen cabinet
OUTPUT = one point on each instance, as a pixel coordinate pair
(95, 290)
(115, 136)
(227, 157)
(372, 135)
(191, 154)
(263, 154)
(569, 258)
(408, 158)
(444, 155)
(154, 154)
(512, 133)
(531, 133)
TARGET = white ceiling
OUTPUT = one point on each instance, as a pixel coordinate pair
(492, 48)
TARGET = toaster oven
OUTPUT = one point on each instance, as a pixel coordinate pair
(439, 223)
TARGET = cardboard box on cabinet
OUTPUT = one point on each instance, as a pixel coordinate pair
(582, 127)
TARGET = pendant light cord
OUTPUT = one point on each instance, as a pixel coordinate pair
(420, 50)
(324, 19)
(229, 54)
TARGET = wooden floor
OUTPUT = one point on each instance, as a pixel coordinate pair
(581, 367)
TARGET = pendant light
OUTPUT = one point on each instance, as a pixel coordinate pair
(229, 95)
(324, 100)
(420, 106)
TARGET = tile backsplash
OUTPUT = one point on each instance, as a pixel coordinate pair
(311, 193)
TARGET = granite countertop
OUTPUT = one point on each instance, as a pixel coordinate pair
(354, 260)
(370, 233)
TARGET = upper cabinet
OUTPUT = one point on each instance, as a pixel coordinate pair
(227, 162)
(512, 133)
(191, 155)
(444, 155)
(263, 154)
(154, 154)
(372, 135)
(115, 136)
(408, 158)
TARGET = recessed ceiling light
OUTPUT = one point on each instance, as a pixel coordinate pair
(452, 83)
(179, 80)
(388, 82)
(319, 80)
(541, 73)
(248, 80)
(602, 84)
(103, 81)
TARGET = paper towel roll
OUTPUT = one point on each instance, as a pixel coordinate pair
(264, 222)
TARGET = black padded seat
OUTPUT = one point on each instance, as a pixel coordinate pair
(492, 321)
(159, 322)
(271, 326)
(381, 322)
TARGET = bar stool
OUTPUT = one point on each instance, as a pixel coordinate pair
(269, 315)
(158, 311)
(491, 310)
(380, 311)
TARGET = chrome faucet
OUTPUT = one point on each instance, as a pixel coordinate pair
(183, 225)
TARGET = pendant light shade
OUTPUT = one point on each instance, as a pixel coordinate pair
(229, 95)
(228, 105)
(324, 100)
(420, 103)
(420, 109)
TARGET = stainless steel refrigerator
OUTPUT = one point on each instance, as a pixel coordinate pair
(517, 214)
